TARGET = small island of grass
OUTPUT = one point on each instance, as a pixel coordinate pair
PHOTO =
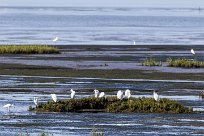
(151, 62)
(28, 49)
(112, 104)
(186, 63)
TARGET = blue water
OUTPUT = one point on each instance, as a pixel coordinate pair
(101, 25)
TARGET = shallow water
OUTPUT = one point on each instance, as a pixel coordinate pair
(59, 124)
(77, 25)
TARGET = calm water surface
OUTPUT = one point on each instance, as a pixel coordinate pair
(77, 25)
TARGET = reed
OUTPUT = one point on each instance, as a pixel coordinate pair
(202, 95)
(151, 62)
(112, 104)
(28, 49)
(183, 62)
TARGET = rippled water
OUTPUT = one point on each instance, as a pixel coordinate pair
(72, 124)
(77, 25)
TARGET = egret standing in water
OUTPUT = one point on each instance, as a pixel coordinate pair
(193, 52)
(35, 100)
(8, 106)
(54, 97)
(96, 93)
(55, 39)
(134, 42)
(156, 96)
(127, 93)
(120, 95)
(102, 94)
(72, 93)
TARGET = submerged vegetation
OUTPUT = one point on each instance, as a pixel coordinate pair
(28, 49)
(183, 62)
(151, 62)
(112, 104)
(41, 134)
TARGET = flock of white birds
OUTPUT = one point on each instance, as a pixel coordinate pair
(120, 95)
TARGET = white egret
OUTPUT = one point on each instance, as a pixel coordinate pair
(55, 39)
(35, 100)
(156, 96)
(8, 106)
(72, 93)
(192, 51)
(54, 97)
(127, 93)
(134, 42)
(96, 93)
(120, 95)
(102, 94)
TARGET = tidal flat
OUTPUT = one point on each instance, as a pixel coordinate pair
(107, 68)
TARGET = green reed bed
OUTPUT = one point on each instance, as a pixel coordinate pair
(113, 105)
(151, 62)
(28, 49)
(186, 63)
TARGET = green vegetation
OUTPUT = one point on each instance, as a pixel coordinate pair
(183, 62)
(151, 62)
(27, 49)
(112, 104)
(95, 132)
(202, 94)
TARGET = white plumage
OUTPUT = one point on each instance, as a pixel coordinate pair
(55, 39)
(192, 51)
(127, 93)
(8, 106)
(96, 93)
(102, 94)
(120, 95)
(35, 100)
(72, 93)
(134, 42)
(156, 96)
(54, 97)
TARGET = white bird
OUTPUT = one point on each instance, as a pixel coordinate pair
(102, 94)
(127, 93)
(55, 39)
(35, 100)
(134, 42)
(72, 93)
(8, 106)
(96, 93)
(192, 51)
(120, 95)
(156, 96)
(54, 97)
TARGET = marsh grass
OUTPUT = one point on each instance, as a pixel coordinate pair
(96, 132)
(112, 104)
(202, 95)
(183, 62)
(151, 62)
(28, 49)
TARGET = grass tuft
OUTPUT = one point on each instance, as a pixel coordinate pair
(151, 62)
(95, 132)
(112, 104)
(202, 94)
(28, 49)
(183, 62)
